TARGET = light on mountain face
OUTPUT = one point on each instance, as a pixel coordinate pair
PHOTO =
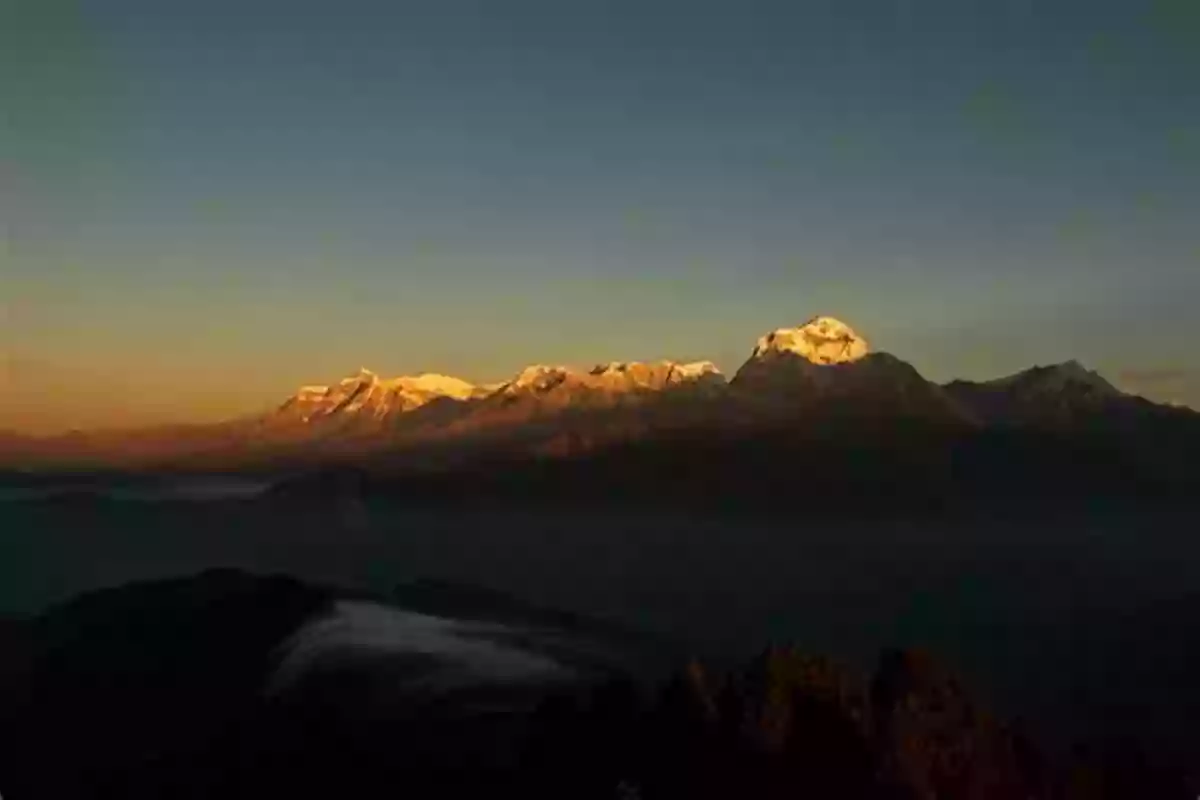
(821, 340)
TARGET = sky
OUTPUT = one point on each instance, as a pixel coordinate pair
(205, 205)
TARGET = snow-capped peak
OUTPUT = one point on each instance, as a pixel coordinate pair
(363, 375)
(365, 392)
(535, 370)
(697, 369)
(613, 378)
(538, 377)
(821, 340)
(434, 383)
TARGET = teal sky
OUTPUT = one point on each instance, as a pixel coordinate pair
(204, 205)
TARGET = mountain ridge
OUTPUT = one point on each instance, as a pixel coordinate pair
(817, 381)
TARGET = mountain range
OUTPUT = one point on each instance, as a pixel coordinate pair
(814, 388)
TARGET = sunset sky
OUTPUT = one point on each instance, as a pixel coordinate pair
(203, 205)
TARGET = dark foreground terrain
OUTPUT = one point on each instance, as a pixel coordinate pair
(231, 685)
(1054, 580)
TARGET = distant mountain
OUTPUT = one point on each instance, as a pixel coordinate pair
(812, 418)
(825, 367)
(431, 418)
(815, 390)
(541, 389)
(1154, 446)
(366, 402)
(367, 395)
(1058, 393)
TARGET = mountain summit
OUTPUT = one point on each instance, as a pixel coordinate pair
(367, 394)
(821, 340)
(824, 366)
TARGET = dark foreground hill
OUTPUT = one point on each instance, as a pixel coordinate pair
(229, 685)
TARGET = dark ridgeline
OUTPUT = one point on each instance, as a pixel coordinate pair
(164, 690)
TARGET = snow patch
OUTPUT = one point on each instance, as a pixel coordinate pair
(538, 376)
(697, 369)
(691, 370)
(433, 383)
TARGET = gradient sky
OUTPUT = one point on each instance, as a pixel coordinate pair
(203, 205)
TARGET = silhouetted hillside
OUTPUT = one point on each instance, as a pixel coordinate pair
(229, 685)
